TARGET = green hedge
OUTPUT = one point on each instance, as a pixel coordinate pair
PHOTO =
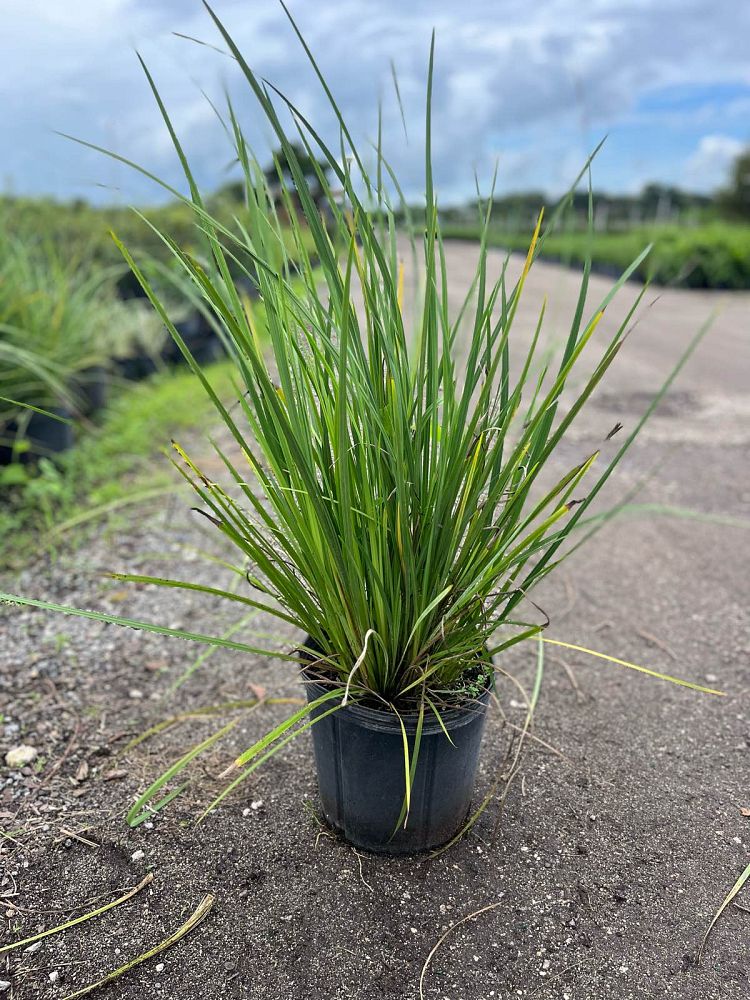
(711, 256)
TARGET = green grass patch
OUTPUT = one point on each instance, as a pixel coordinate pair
(710, 256)
(112, 464)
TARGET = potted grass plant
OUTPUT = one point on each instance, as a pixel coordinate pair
(389, 489)
(60, 323)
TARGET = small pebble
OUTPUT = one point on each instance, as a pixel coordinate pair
(21, 756)
(54, 976)
(137, 855)
(160, 967)
(33, 947)
(135, 694)
(256, 803)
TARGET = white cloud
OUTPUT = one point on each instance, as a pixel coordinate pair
(708, 167)
(542, 82)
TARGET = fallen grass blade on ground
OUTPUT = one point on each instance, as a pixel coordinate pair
(441, 939)
(79, 920)
(197, 917)
(731, 895)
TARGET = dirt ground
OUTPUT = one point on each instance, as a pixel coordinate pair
(611, 854)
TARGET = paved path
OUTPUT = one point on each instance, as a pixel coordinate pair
(716, 379)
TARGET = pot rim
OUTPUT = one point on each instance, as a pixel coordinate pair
(386, 720)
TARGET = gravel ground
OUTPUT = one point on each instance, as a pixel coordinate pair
(611, 853)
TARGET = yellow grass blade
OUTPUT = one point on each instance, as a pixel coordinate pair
(79, 920)
(200, 914)
(635, 666)
(728, 899)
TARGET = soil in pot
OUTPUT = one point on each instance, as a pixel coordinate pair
(359, 754)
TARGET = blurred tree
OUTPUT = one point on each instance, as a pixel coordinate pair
(734, 200)
(280, 171)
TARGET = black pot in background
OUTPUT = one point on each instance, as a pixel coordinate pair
(40, 435)
(135, 366)
(129, 287)
(359, 754)
(91, 387)
(47, 436)
(200, 339)
(6, 446)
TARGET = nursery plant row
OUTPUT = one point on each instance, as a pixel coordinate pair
(71, 326)
(714, 256)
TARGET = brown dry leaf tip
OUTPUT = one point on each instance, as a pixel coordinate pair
(615, 429)
(210, 517)
(115, 775)
(228, 771)
(745, 811)
(83, 771)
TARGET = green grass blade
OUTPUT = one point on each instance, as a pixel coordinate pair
(135, 813)
(99, 616)
(733, 892)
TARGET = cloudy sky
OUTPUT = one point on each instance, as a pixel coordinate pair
(533, 85)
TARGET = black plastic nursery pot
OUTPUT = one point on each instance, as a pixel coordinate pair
(359, 754)
(48, 436)
(91, 387)
(199, 337)
(136, 366)
(38, 436)
(45, 435)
